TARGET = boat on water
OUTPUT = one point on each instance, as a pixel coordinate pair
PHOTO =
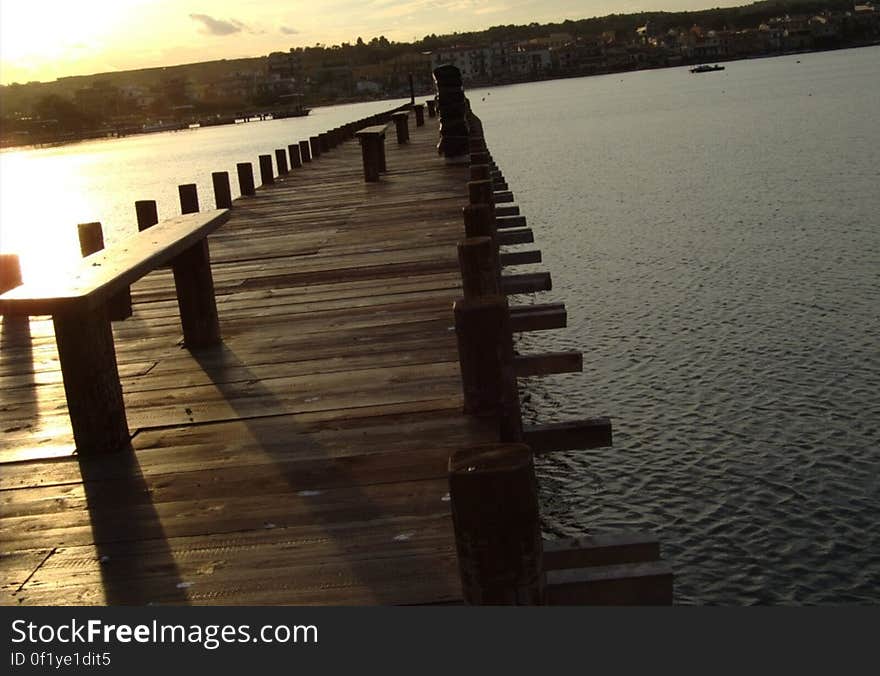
(705, 68)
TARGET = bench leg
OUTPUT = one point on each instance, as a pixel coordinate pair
(91, 381)
(195, 296)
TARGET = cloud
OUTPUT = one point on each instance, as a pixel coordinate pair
(214, 26)
(287, 30)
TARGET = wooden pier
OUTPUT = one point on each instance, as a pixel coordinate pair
(305, 458)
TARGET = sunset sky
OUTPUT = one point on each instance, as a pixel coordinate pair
(53, 38)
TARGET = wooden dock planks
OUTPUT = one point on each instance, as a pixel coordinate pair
(304, 460)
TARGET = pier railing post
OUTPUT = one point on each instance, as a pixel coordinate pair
(315, 145)
(266, 171)
(305, 151)
(486, 359)
(147, 214)
(281, 161)
(91, 240)
(195, 285)
(419, 109)
(222, 191)
(10, 272)
(452, 104)
(432, 107)
(479, 271)
(494, 499)
(246, 178)
(401, 124)
(295, 159)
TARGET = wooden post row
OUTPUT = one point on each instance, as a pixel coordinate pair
(494, 499)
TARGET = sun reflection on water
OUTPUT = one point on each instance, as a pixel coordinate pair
(40, 204)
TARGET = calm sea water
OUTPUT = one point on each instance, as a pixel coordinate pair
(716, 239)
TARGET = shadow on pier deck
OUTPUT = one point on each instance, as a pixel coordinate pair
(304, 460)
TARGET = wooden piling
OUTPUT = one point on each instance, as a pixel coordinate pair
(432, 107)
(189, 198)
(305, 151)
(222, 191)
(10, 272)
(147, 213)
(494, 499)
(485, 351)
(281, 161)
(401, 124)
(480, 192)
(419, 109)
(315, 145)
(267, 176)
(479, 269)
(479, 172)
(295, 159)
(246, 178)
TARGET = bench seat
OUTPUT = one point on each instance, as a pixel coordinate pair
(101, 275)
(78, 305)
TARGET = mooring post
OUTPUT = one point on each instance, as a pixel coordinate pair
(401, 124)
(246, 178)
(305, 151)
(481, 158)
(432, 107)
(10, 272)
(453, 108)
(485, 349)
(147, 214)
(195, 284)
(91, 240)
(266, 172)
(494, 498)
(281, 161)
(480, 192)
(222, 191)
(324, 142)
(479, 271)
(189, 198)
(315, 145)
(295, 159)
(419, 109)
(479, 172)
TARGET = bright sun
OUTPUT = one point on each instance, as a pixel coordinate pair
(36, 37)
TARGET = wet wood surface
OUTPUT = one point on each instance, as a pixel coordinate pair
(303, 460)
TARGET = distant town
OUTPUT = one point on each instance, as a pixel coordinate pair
(284, 84)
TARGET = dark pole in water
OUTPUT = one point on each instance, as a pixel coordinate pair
(412, 91)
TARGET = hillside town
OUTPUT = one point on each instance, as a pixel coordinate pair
(285, 83)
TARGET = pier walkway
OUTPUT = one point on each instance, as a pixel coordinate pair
(302, 461)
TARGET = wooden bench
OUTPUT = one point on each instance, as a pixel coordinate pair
(372, 140)
(78, 306)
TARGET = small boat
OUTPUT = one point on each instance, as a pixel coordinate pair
(706, 68)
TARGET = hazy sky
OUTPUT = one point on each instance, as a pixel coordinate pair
(46, 39)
